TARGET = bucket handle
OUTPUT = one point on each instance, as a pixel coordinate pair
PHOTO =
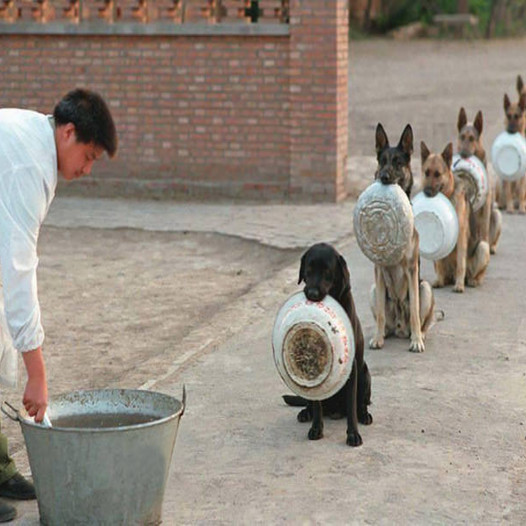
(184, 400)
(8, 413)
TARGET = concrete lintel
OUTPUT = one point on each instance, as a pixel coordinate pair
(150, 29)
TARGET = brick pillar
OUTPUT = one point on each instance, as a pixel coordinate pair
(319, 98)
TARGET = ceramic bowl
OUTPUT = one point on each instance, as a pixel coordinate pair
(472, 170)
(437, 225)
(313, 346)
(508, 156)
(383, 223)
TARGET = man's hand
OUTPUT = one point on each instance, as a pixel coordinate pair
(35, 394)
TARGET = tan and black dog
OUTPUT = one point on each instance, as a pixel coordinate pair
(402, 304)
(508, 193)
(469, 260)
(488, 220)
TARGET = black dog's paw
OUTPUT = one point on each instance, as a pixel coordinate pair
(336, 415)
(365, 418)
(354, 439)
(315, 433)
(304, 416)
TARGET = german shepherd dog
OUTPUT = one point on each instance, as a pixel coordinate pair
(488, 219)
(325, 271)
(508, 192)
(468, 262)
(402, 304)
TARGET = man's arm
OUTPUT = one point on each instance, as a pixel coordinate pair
(35, 394)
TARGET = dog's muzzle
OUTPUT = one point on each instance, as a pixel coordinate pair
(385, 178)
(431, 192)
(313, 293)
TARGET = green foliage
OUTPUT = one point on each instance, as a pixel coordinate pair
(509, 16)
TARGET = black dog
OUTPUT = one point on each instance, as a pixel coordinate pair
(325, 271)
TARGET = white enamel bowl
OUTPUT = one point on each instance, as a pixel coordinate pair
(508, 156)
(474, 172)
(383, 223)
(313, 346)
(437, 225)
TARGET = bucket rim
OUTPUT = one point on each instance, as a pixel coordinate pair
(25, 420)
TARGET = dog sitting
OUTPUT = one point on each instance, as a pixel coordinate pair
(508, 193)
(325, 271)
(469, 260)
(488, 219)
(402, 304)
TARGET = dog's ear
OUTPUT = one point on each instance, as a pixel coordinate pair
(522, 101)
(302, 269)
(478, 123)
(507, 102)
(424, 151)
(520, 84)
(447, 154)
(382, 142)
(346, 277)
(462, 119)
(406, 140)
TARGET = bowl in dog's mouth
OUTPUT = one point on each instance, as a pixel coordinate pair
(313, 346)
(437, 225)
(307, 354)
(473, 172)
(508, 156)
(383, 223)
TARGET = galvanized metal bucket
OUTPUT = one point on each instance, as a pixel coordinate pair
(102, 475)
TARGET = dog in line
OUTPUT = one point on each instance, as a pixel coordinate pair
(488, 219)
(402, 304)
(510, 193)
(469, 260)
(325, 271)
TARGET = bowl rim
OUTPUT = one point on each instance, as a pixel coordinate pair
(294, 302)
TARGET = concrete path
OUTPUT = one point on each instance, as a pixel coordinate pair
(447, 445)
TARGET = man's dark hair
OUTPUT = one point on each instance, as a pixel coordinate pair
(91, 117)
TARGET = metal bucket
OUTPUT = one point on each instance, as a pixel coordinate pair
(112, 472)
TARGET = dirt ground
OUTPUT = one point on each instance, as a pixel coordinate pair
(117, 305)
(425, 83)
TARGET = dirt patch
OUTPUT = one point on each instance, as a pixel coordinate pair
(113, 299)
(118, 304)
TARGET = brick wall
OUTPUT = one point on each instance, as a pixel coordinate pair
(225, 110)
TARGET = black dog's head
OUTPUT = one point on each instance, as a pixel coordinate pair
(394, 163)
(324, 271)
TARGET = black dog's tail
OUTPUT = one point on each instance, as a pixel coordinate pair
(296, 401)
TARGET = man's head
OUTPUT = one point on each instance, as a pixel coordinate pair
(84, 131)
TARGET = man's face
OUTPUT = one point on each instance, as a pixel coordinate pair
(75, 159)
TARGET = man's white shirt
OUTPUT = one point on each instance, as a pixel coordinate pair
(28, 178)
